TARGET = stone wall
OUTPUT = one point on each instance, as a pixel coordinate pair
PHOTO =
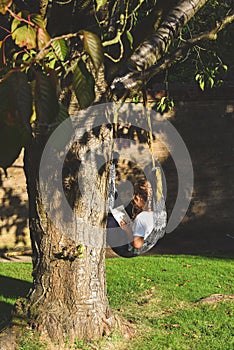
(14, 232)
(207, 128)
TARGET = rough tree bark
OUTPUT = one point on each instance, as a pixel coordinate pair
(68, 298)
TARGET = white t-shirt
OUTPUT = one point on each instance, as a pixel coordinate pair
(143, 224)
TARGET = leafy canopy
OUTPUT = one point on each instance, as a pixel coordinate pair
(44, 70)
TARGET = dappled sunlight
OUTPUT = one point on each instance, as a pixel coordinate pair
(14, 231)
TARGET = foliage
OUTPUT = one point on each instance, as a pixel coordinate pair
(208, 77)
(178, 321)
(41, 68)
(208, 61)
(83, 83)
(4, 4)
(30, 341)
(35, 67)
(165, 104)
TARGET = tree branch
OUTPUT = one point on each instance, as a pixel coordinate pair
(151, 50)
(136, 79)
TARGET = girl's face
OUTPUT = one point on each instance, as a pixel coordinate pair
(139, 201)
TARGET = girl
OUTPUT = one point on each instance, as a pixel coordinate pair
(143, 220)
(141, 213)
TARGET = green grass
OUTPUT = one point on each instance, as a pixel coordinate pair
(159, 297)
(15, 282)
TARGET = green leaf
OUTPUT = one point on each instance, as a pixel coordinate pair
(66, 130)
(16, 23)
(10, 144)
(83, 83)
(25, 36)
(38, 20)
(60, 48)
(225, 67)
(211, 82)
(21, 95)
(51, 59)
(164, 104)
(28, 56)
(202, 84)
(163, 107)
(63, 113)
(16, 99)
(4, 4)
(93, 46)
(29, 35)
(171, 104)
(100, 3)
(46, 101)
(130, 39)
(4, 99)
(42, 38)
(15, 113)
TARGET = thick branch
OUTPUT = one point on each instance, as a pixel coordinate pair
(151, 50)
(134, 79)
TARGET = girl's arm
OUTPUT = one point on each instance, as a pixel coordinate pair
(137, 242)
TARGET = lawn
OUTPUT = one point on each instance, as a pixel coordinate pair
(159, 296)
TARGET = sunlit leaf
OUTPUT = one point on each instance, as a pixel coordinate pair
(60, 48)
(4, 4)
(130, 39)
(46, 101)
(17, 22)
(33, 116)
(83, 83)
(93, 46)
(225, 67)
(28, 56)
(51, 59)
(202, 85)
(38, 20)
(42, 38)
(100, 3)
(211, 81)
(25, 36)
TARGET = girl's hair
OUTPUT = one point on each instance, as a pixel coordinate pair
(143, 188)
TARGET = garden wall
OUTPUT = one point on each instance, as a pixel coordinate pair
(206, 124)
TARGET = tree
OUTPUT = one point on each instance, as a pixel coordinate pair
(97, 51)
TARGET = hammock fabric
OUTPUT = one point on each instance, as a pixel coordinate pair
(159, 216)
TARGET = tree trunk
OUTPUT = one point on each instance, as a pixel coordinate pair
(68, 298)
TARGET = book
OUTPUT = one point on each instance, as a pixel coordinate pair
(120, 214)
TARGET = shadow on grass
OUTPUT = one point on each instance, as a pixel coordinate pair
(11, 288)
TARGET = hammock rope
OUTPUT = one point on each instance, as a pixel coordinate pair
(158, 203)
